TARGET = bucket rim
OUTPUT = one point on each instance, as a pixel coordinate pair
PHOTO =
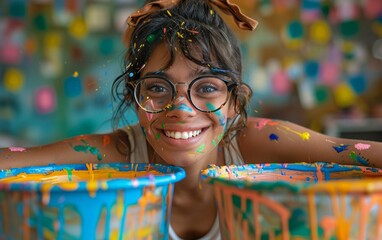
(219, 175)
(171, 174)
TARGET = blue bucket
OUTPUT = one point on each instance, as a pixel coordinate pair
(87, 201)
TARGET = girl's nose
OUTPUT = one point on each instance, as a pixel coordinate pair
(181, 107)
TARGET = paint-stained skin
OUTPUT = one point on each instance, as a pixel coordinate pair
(17, 149)
(86, 148)
(273, 137)
(359, 159)
(341, 148)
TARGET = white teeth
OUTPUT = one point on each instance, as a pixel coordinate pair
(182, 135)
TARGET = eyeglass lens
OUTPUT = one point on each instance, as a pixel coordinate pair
(206, 93)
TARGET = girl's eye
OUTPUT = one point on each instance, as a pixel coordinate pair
(207, 89)
(157, 88)
(156, 85)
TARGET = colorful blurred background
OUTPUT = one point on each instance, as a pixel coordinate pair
(314, 62)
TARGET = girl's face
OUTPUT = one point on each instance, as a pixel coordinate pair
(182, 135)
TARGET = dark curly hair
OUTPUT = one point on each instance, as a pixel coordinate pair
(200, 34)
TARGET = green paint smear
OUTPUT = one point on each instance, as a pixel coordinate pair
(201, 148)
(214, 143)
(220, 136)
(157, 136)
(86, 148)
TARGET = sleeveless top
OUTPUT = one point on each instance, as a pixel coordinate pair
(139, 154)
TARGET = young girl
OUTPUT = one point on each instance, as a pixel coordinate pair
(183, 75)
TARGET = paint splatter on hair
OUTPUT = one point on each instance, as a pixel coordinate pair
(359, 159)
(273, 137)
(341, 148)
(362, 146)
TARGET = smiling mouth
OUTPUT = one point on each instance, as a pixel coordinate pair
(182, 135)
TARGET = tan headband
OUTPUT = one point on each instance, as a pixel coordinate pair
(243, 22)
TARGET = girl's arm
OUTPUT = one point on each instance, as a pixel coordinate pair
(100, 148)
(266, 141)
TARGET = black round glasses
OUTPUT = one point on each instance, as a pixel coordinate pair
(207, 93)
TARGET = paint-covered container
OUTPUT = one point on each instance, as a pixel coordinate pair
(87, 201)
(298, 201)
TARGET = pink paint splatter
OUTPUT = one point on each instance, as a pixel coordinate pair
(17, 149)
(362, 146)
(262, 123)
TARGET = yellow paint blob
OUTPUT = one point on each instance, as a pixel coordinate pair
(13, 79)
(320, 32)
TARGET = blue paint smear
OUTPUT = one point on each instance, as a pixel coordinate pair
(184, 107)
(341, 148)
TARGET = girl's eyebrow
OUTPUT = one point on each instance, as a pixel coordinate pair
(159, 72)
(201, 71)
(198, 72)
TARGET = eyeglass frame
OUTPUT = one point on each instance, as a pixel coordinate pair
(230, 86)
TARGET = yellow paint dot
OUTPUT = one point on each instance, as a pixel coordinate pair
(320, 32)
(78, 28)
(75, 74)
(305, 136)
(13, 79)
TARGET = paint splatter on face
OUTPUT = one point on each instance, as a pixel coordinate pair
(201, 148)
(218, 113)
(184, 107)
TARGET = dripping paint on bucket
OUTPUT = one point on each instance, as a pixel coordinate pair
(297, 201)
(87, 201)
